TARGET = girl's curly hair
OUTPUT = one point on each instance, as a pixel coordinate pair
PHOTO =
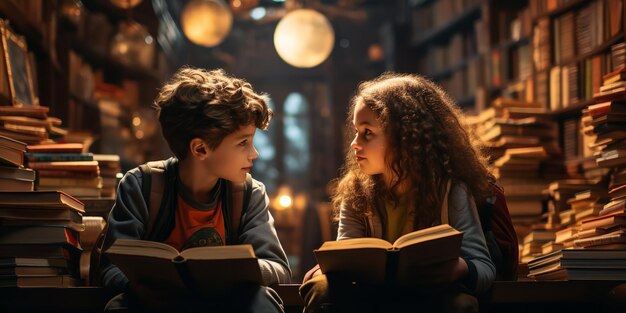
(428, 145)
(197, 103)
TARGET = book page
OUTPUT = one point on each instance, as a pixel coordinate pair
(219, 252)
(142, 247)
(355, 243)
(425, 235)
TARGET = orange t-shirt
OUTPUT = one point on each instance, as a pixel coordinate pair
(196, 228)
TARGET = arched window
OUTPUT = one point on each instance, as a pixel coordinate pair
(296, 133)
(265, 168)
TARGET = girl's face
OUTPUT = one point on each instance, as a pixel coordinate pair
(369, 144)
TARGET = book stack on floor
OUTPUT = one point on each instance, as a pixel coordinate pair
(533, 242)
(65, 167)
(13, 175)
(583, 205)
(109, 169)
(520, 138)
(31, 125)
(564, 193)
(580, 264)
(39, 239)
(607, 230)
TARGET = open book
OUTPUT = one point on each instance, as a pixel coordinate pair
(207, 270)
(373, 260)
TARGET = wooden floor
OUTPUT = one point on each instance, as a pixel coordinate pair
(522, 296)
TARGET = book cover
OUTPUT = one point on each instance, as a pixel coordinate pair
(40, 199)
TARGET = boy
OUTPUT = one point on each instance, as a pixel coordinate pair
(208, 119)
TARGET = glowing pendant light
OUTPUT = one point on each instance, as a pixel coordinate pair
(304, 38)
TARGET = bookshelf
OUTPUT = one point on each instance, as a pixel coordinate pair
(546, 54)
(75, 70)
(20, 22)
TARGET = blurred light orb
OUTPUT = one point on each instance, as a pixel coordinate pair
(126, 4)
(258, 13)
(304, 38)
(206, 22)
(133, 45)
(285, 201)
(375, 53)
(243, 5)
(72, 10)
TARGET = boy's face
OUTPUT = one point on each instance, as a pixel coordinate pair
(233, 157)
(370, 143)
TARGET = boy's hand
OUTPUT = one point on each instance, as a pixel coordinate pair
(441, 273)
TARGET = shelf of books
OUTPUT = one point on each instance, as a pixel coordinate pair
(537, 73)
(556, 137)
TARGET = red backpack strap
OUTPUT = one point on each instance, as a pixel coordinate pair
(506, 238)
(241, 194)
(153, 186)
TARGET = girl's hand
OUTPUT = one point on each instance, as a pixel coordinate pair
(318, 272)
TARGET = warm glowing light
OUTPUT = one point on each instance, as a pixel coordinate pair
(284, 201)
(304, 38)
(206, 22)
(126, 4)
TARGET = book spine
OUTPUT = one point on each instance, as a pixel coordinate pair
(52, 157)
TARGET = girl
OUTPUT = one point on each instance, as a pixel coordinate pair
(411, 165)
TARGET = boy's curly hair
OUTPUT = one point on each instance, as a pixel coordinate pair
(197, 103)
(428, 145)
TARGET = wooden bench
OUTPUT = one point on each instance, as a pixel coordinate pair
(521, 296)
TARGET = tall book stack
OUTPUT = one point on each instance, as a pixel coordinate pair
(13, 175)
(65, 167)
(39, 239)
(521, 140)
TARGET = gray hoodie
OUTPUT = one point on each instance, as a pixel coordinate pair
(129, 216)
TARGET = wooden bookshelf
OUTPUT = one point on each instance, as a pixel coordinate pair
(105, 61)
(19, 22)
(469, 15)
(452, 69)
(606, 45)
(573, 5)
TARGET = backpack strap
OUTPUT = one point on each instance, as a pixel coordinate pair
(152, 188)
(241, 194)
(444, 205)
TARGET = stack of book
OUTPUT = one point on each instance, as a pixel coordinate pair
(65, 167)
(109, 169)
(520, 138)
(533, 242)
(607, 230)
(13, 175)
(564, 192)
(579, 264)
(31, 125)
(582, 205)
(39, 239)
